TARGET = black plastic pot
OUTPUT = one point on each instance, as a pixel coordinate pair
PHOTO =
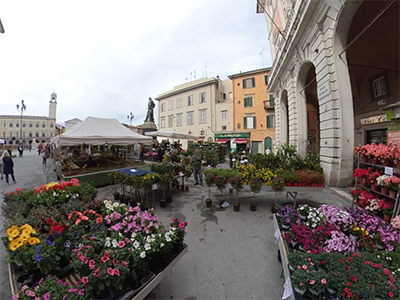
(253, 207)
(208, 203)
(116, 196)
(169, 199)
(236, 207)
(163, 203)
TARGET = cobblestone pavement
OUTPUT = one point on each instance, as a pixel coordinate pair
(232, 255)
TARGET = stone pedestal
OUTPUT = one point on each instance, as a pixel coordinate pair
(148, 126)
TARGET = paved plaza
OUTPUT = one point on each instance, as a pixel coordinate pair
(232, 255)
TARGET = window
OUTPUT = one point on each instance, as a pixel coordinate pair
(51, 125)
(30, 125)
(223, 114)
(249, 83)
(189, 118)
(17, 124)
(190, 100)
(37, 125)
(203, 97)
(248, 101)
(4, 134)
(162, 107)
(266, 79)
(170, 121)
(223, 127)
(4, 124)
(249, 123)
(30, 134)
(43, 135)
(270, 121)
(178, 119)
(23, 134)
(11, 124)
(170, 104)
(202, 116)
(379, 87)
(24, 125)
(37, 134)
(43, 125)
(230, 95)
(162, 122)
(179, 103)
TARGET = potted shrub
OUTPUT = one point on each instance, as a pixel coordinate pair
(188, 173)
(255, 187)
(165, 182)
(237, 184)
(278, 185)
(220, 181)
(209, 179)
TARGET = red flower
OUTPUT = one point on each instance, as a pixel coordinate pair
(378, 266)
(347, 267)
(348, 284)
(367, 262)
(342, 261)
(386, 271)
(347, 289)
(371, 285)
(104, 259)
(49, 221)
(110, 271)
(115, 262)
(390, 294)
(85, 280)
(116, 272)
(349, 259)
(353, 278)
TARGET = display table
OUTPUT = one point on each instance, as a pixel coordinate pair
(283, 251)
(141, 294)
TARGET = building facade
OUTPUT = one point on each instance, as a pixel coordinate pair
(335, 72)
(195, 107)
(19, 128)
(253, 111)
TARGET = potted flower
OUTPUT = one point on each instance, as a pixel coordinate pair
(255, 187)
(357, 232)
(373, 206)
(221, 181)
(382, 183)
(392, 184)
(387, 208)
(372, 178)
(303, 211)
(237, 184)
(314, 217)
(165, 181)
(209, 179)
(396, 222)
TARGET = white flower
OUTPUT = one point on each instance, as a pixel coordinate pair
(147, 247)
(114, 243)
(120, 234)
(162, 245)
(136, 244)
(115, 204)
(142, 254)
(107, 244)
(167, 238)
(133, 235)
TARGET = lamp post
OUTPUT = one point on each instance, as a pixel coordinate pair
(130, 118)
(22, 109)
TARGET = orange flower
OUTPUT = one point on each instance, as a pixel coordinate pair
(77, 221)
(99, 220)
(84, 218)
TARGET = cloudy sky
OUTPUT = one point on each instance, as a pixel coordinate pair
(105, 58)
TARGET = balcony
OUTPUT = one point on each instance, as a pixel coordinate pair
(269, 104)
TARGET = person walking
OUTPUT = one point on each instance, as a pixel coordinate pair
(2, 165)
(20, 150)
(8, 167)
(141, 153)
(44, 156)
(196, 162)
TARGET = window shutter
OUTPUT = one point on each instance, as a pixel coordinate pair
(253, 82)
(244, 123)
(268, 122)
(251, 101)
(266, 79)
(244, 83)
(245, 102)
(271, 100)
(254, 123)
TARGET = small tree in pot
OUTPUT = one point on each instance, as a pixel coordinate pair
(278, 185)
(165, 182)
(237, 183)
(209, 179)
(255, 187)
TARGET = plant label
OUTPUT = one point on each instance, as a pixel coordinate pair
(154, 187)
(277, 235)
(389, 171)
(287, 292)
(181, 174)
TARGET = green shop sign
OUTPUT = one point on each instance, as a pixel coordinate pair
(231, 135)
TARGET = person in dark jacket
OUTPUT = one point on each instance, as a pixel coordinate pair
(160, 153)
(196, 162)
(8, 167)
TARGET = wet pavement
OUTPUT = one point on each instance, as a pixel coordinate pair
(232, 255)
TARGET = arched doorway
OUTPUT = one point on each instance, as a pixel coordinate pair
(308, 111)
(284, 113)
(268, 144)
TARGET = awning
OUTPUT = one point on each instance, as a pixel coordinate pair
(241, 141)
(221, 141)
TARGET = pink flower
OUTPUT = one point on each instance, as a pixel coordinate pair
(323, 281)
(304, 267)
(85, 280)
(116, 272)
(105, 258)
(24, 287)
(29, 293)
(173, 220)
(121, 244)
(115, 262)
(46, 296)
(96, 272)
(81, 292)
(312, 281)
(181, 224)
(72, 290)
(127, 240)
(110, 271)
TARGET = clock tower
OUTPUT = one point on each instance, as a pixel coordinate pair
(53, 106)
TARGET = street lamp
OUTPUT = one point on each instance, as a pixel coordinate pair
(130, 118)
(22, 109)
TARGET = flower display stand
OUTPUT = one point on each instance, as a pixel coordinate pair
(131, 295)
(283, 254)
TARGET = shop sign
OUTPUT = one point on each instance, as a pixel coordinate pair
(374, 120)
(393, 137)
(232, 135)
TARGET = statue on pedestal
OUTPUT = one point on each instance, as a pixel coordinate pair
(150, 109)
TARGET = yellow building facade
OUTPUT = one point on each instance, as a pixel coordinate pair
(253, 110)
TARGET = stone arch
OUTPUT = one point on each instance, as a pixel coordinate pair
(284, 118)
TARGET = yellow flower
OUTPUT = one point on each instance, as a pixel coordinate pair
(24, 237)
(26, 226)
(33, 241)
(11, 229)
(14, 233)
(15, 244)
(50, 185)
(10, 238)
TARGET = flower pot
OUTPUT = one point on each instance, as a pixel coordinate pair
(186, 188)
(236, 207)
(384, 191)
(299, 291)
(388, 163)
(285, 226)
(303, 185)
(397, 166)
(106, 294)
(313, 185)
(289, 183)
(392, 193)
(116, 196)
(330, 291)
(374, 161)
(319, 185)
(273, 209)
(253, 206)
(386, 217)
(169, 199)
(163, 203)
(208, 203)
(374, 187)
(380, 246)
(364, 159)
(354, 237)
(296, 184)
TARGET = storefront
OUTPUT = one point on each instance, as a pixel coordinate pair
(373, 130)
(238, 141)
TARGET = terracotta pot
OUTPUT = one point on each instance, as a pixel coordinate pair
(364, 159)
(388, 163)
(374, 161)
(387, 218)
(319, 185)
(384, 191)
(313, 185)
(289, 183)
(296, 184)
(392, 193)
(303, 185)
(397, 166)
(374, 187)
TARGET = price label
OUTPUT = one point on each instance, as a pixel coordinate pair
(277, 235)
(181, 174)
(389, 171)
(287, 292)
(154, 187)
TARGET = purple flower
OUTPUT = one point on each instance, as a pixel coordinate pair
(46, 296)
(287, 220)
(50, 237)
(38, 257)
(50, 243)
(67, 244)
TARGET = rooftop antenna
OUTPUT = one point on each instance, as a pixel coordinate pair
(190, 76)
(262, 56)
(205, 66)
(194, 72)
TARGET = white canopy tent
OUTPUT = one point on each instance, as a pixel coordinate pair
(2, 141)
(98, 131)
(172, 135)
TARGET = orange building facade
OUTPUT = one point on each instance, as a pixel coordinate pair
(253, 109)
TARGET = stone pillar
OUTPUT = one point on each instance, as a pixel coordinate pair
(148, 126)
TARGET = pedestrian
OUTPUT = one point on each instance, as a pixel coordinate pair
(44, 156)
(8, 167)
(39, 149)
(30, 147)
(20, 150)
(196, 162)
(9, 150)
(267, 151)
(160, 153)
(141, 153)
(2, 164)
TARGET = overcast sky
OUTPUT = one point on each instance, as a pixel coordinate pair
(105, 58)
